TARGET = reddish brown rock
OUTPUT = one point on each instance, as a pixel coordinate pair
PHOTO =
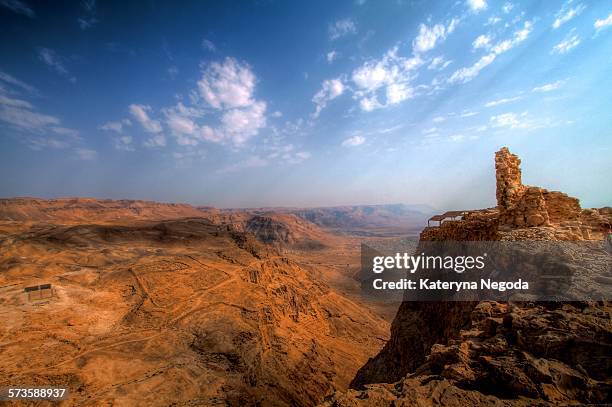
(492, 353)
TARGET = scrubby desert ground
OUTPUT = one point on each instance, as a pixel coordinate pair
(150, 310)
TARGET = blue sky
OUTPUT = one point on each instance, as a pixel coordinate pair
(275, 103)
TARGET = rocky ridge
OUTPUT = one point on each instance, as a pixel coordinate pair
(494, 353)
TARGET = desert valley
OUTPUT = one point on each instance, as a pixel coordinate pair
(170, 304)
(157, 303)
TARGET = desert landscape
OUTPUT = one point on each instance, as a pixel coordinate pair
(168, 304)
(155, 304)
(345, 203)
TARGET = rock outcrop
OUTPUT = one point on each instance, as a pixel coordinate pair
(526, 206)
(460, 353)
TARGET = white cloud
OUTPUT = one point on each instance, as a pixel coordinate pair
(173, 71)
(242, 124)
(549, 86)
(16, 82)
(438, 119)
(221, 110)
(140, 113)
(55, 62)
(506, 120)
(8, 101)
(354, 141)
(155, 141)
(332, 56)
(477, 5)
(296, 158)
(567, 13)
(392, 72)
(117, 126)
(342, 28)
(518, 121)
(85, 154)
(398, 92)
(227, 85)
(482, 41)
(466, 74)
(493, 20)
(469, 73)
(367, 104)
(208, 45)
(39, 130)
(600, 24)
(277, 114)
(439, 63)
(123, 143)
(428, 37)
(569, 42)
(330, 89)
(507, 7)
(25, 119)
(503, 101)
(18, 6)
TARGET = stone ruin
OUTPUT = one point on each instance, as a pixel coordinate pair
(524, 212)
(526, 206)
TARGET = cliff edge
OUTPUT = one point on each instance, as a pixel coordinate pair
(495, 353)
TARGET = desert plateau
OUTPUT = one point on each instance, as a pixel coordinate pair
(263, 203)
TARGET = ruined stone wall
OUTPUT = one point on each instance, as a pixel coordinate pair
(526, 206)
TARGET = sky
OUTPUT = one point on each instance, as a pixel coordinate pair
(318, 103)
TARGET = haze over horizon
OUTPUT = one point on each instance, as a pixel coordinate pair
(357, 102)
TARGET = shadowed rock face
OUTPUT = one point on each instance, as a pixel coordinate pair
(493, 353)
(287, 231)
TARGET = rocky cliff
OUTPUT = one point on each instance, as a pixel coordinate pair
(493, 353)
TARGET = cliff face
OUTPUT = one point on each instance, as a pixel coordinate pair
(466, 353)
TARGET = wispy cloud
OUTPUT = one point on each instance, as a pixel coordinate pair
(353, 141)
(208, 45)
(88, 17)
(570, 42)
(19, 7)
(468, 73)
(55, 62)
(567, 13)
(332, 56)
(39, 130)
(600, 24)
(548, 87)
(482, 41)
(141, 114)
(342, 28)
(521, 121)
(155, 141)
(250, 162)
(4, 77)
(117, 126)
(503, 101)
(330, 89)
(439, 63)
(86, 154)
(429, 36)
